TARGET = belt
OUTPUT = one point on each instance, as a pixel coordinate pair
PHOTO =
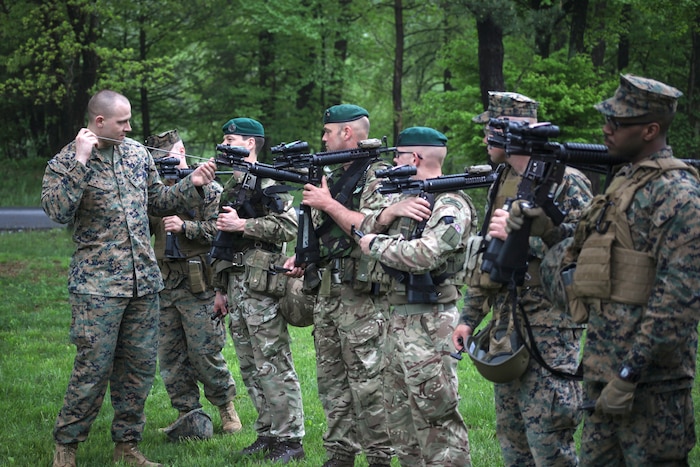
(410, 309)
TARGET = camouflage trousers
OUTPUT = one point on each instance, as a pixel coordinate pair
(116, 341)
(660, 430)
(538, 413)
(262, 343)
(349, 335)
(189, 349)
(420, 389)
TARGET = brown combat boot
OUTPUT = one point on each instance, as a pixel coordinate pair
(64, 455)
(129, 454)
(230, 423)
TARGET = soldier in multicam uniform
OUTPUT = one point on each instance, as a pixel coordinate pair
(190, 342)
(536, 411)
(420, 377)
(349, 317)
(252, 234)
(106, 184)
(637, 250)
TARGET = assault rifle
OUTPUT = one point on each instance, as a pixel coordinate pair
(420, 288)
(398, 180)
(168, 168)
(507, 262)
(294, 156)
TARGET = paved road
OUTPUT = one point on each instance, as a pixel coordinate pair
(25, 219)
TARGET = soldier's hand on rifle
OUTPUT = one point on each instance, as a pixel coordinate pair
(416, 208)
(497, 225)
(204, 174)
(294, 271)
(617, 398)
(541, 223)
(228, 220)
(173, 224)
(318, 197)
(366, 242)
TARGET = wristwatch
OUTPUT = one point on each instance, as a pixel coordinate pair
(627, 374)
(184, 232)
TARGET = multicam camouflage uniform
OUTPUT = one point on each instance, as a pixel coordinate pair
(258, 329)
(536, 414)
(113, 282)
(349, 336)
(190, 342)
(654, 334)
(420, 378)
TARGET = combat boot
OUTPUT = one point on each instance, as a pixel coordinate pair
(285, 451)
(230, 423)
(261, 444)
(340, 462)
(64, 455)
(129, 454)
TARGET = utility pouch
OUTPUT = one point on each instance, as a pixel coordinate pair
(312, 279)
(593, 277)
(195, 271)
(261, 275)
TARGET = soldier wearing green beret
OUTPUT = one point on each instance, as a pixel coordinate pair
(420, 377)
(636, 252)
(246, 290)
(536, 411)
(190, 342)
(349, 317)
(106, 185)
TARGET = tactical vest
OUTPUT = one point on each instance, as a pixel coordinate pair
(608, 267)
(452, 272)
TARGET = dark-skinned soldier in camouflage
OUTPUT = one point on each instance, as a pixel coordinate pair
(637, 250)
(420, 378)
(246, 292)
(190, 342)
(536, 411)
(350, 315)
(106, 185)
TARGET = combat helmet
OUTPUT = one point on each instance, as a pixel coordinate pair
(492, 352)
(296, 307)
(195, 424)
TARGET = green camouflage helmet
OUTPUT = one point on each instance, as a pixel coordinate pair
(196, 424)
(498, 364)
(550, 275)
(296, 307)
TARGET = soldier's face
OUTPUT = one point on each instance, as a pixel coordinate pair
(333, 137)
(624, 139)
(117, 123)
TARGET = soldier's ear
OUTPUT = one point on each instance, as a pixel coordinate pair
(651, 131)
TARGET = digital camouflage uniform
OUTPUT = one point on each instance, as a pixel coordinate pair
(420, 378)
(537, 413)
(190, 342)
(113, 282)
(656, 337)
(258, 329)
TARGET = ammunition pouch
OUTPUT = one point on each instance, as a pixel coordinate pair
(195, 269)
(261, 275)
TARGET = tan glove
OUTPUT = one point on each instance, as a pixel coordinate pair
(617, 398)
(541, 223)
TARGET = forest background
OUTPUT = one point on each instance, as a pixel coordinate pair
(193, 64)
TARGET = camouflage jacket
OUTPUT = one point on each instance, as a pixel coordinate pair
(659, 340)
(452, 220)
(574, 195)
(108, 203)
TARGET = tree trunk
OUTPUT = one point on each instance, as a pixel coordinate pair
(145, 106)
(396, 90)
(491, 55)
(579, 14)
(623, 48)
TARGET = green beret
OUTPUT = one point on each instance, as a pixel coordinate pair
(161, 144)
(343, 113)
(507, 104)
(637, 96)
(421, 136)
(243, 127)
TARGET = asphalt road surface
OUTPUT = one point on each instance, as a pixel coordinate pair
(26, 219)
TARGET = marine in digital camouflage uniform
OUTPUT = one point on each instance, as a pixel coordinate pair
(641, 347)
(420, 378)
(190, 342)
(349, 317)
(105, 185)
(244, 282)
(536, 412)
